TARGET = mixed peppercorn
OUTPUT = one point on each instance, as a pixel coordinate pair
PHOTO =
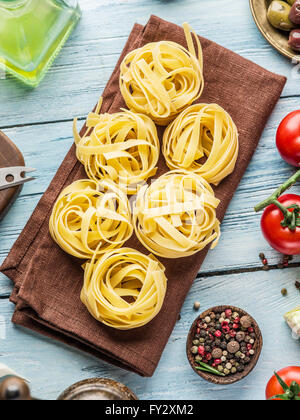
(224, 341)
(285, 263)
(286, 259)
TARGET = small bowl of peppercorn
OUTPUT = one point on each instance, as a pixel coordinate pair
(224, 345)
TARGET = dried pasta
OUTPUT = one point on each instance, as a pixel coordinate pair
(176, 215)
(90, 218)
(122, 147)
(124, 289)
(162, 78)
(202, 132)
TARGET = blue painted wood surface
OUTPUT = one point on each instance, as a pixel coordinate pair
(40, 123)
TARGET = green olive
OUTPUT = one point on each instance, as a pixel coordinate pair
(291, 2)
(278, 15)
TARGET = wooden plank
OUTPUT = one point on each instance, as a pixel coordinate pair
(84, 66)
(259, 293)
(81, 72)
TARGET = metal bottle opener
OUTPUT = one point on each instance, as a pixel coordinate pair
(11, 177)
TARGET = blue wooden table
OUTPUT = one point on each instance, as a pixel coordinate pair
(40, 123)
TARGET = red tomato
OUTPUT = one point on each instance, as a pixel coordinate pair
(288, 375)
(288, 138)
(281, 238)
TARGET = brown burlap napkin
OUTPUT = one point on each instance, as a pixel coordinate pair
(48, 281)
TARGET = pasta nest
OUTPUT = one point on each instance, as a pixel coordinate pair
(91, 218)
(162, 78)
(202, 131)
(122, 147)
(125, 289)
(176, 216)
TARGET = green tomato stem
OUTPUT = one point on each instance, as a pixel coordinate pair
(273, 198)
(290, 392)
(291, 218)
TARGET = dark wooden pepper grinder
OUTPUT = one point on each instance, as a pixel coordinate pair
(13, 388)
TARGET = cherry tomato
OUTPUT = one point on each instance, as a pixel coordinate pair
(288, 138)
(281, 238)
(288, 375)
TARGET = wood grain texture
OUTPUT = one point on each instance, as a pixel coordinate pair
(71, 88)
(51, 367)
(86, 62)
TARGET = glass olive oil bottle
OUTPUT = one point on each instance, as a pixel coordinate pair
(32, 33)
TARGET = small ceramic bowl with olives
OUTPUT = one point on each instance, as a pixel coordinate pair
(285, 16)
(224, 344)
(279, 22)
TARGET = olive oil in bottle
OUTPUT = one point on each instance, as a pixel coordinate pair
(32, 32)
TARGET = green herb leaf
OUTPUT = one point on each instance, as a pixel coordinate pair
(209, 369)
(282, 383)
(203, 369)
(280, 397)
(295, 388)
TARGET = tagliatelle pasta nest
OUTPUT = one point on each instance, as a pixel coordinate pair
(125, 289)
(90, 218)
(202, 132)
(122, 147)
(176, 215)
(162, 78)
